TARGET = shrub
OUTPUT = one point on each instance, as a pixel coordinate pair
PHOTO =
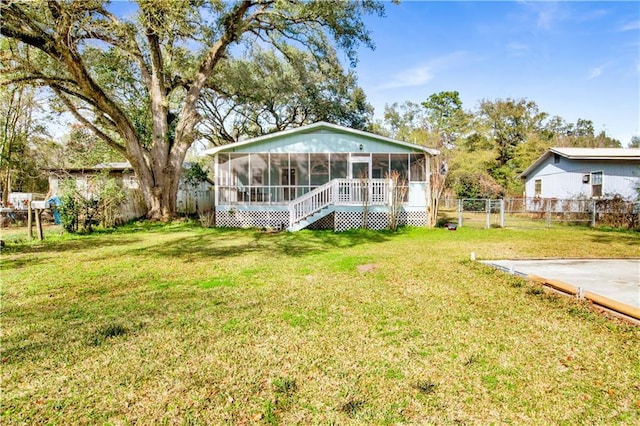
(207, 219)
(99, 204)
(398, 192)
(616, 212)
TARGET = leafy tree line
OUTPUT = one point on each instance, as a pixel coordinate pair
(485, 149)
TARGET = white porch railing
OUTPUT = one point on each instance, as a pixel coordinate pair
(355, 192)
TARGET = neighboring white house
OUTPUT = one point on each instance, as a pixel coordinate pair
(569, 173)
(318, 176)
(190, 199)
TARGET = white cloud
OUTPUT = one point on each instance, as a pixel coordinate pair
(549, 15)
(421, 74)
(517, 49)
(411, 77)
(546, 13)
(591, 15)
(630, 26)
(595, 72)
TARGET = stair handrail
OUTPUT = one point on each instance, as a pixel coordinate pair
(339, 191)
(312, 202)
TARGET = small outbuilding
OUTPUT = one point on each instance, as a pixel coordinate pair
(320, 176)
(584, 173)
(191, 198)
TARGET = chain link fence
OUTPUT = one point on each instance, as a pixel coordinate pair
(540, 212)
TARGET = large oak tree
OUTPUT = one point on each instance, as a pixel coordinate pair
(135, 77)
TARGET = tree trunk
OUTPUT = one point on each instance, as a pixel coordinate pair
(159, 189)
(437, 180)
(6, 187)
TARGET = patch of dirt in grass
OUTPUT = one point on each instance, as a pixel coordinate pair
(368, 267)
(352, 406)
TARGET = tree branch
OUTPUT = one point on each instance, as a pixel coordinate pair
(72, 108)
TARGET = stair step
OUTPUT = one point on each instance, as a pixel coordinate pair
(310, 219)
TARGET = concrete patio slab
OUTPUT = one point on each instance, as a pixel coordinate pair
(616, 279)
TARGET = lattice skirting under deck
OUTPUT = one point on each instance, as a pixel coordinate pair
(252, 219)
(338, 221)
(377, 220)
(326, 222)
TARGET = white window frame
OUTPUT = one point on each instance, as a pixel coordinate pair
(601, 184)
(537, 193)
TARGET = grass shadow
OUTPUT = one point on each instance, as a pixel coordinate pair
(616, 236)
(220, 242)
(78, 243)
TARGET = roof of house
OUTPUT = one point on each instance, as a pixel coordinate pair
(112, 167)
(603, 154)
(598, 153)
(318, 126)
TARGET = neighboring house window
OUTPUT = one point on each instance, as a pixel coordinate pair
(131, 182)
(596, 184)
(538, 188)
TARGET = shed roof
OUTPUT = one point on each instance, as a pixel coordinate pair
(598, 153)
(112, 167)
(604, 154)
(116, 167)
(321, 125)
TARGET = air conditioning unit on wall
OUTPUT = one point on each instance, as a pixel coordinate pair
(585, 178)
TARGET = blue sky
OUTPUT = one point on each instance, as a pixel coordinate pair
(574, 59)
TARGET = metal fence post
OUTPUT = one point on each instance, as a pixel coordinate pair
(487, 207)
(593, 213)
(548, 213)
(502, 213)
(460, 204)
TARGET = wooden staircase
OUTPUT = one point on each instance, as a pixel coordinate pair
(318, 203)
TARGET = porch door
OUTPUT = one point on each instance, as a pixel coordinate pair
(288, 183)
(361, 171)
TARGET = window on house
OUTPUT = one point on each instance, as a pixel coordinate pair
(596, 184)
(538, 188)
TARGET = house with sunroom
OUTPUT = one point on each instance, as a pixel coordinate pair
(584, 173)
(320, 176)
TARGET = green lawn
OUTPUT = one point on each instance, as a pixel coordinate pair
(182, 325)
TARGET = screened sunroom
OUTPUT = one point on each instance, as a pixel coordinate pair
(320, 171)
(279, 178)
